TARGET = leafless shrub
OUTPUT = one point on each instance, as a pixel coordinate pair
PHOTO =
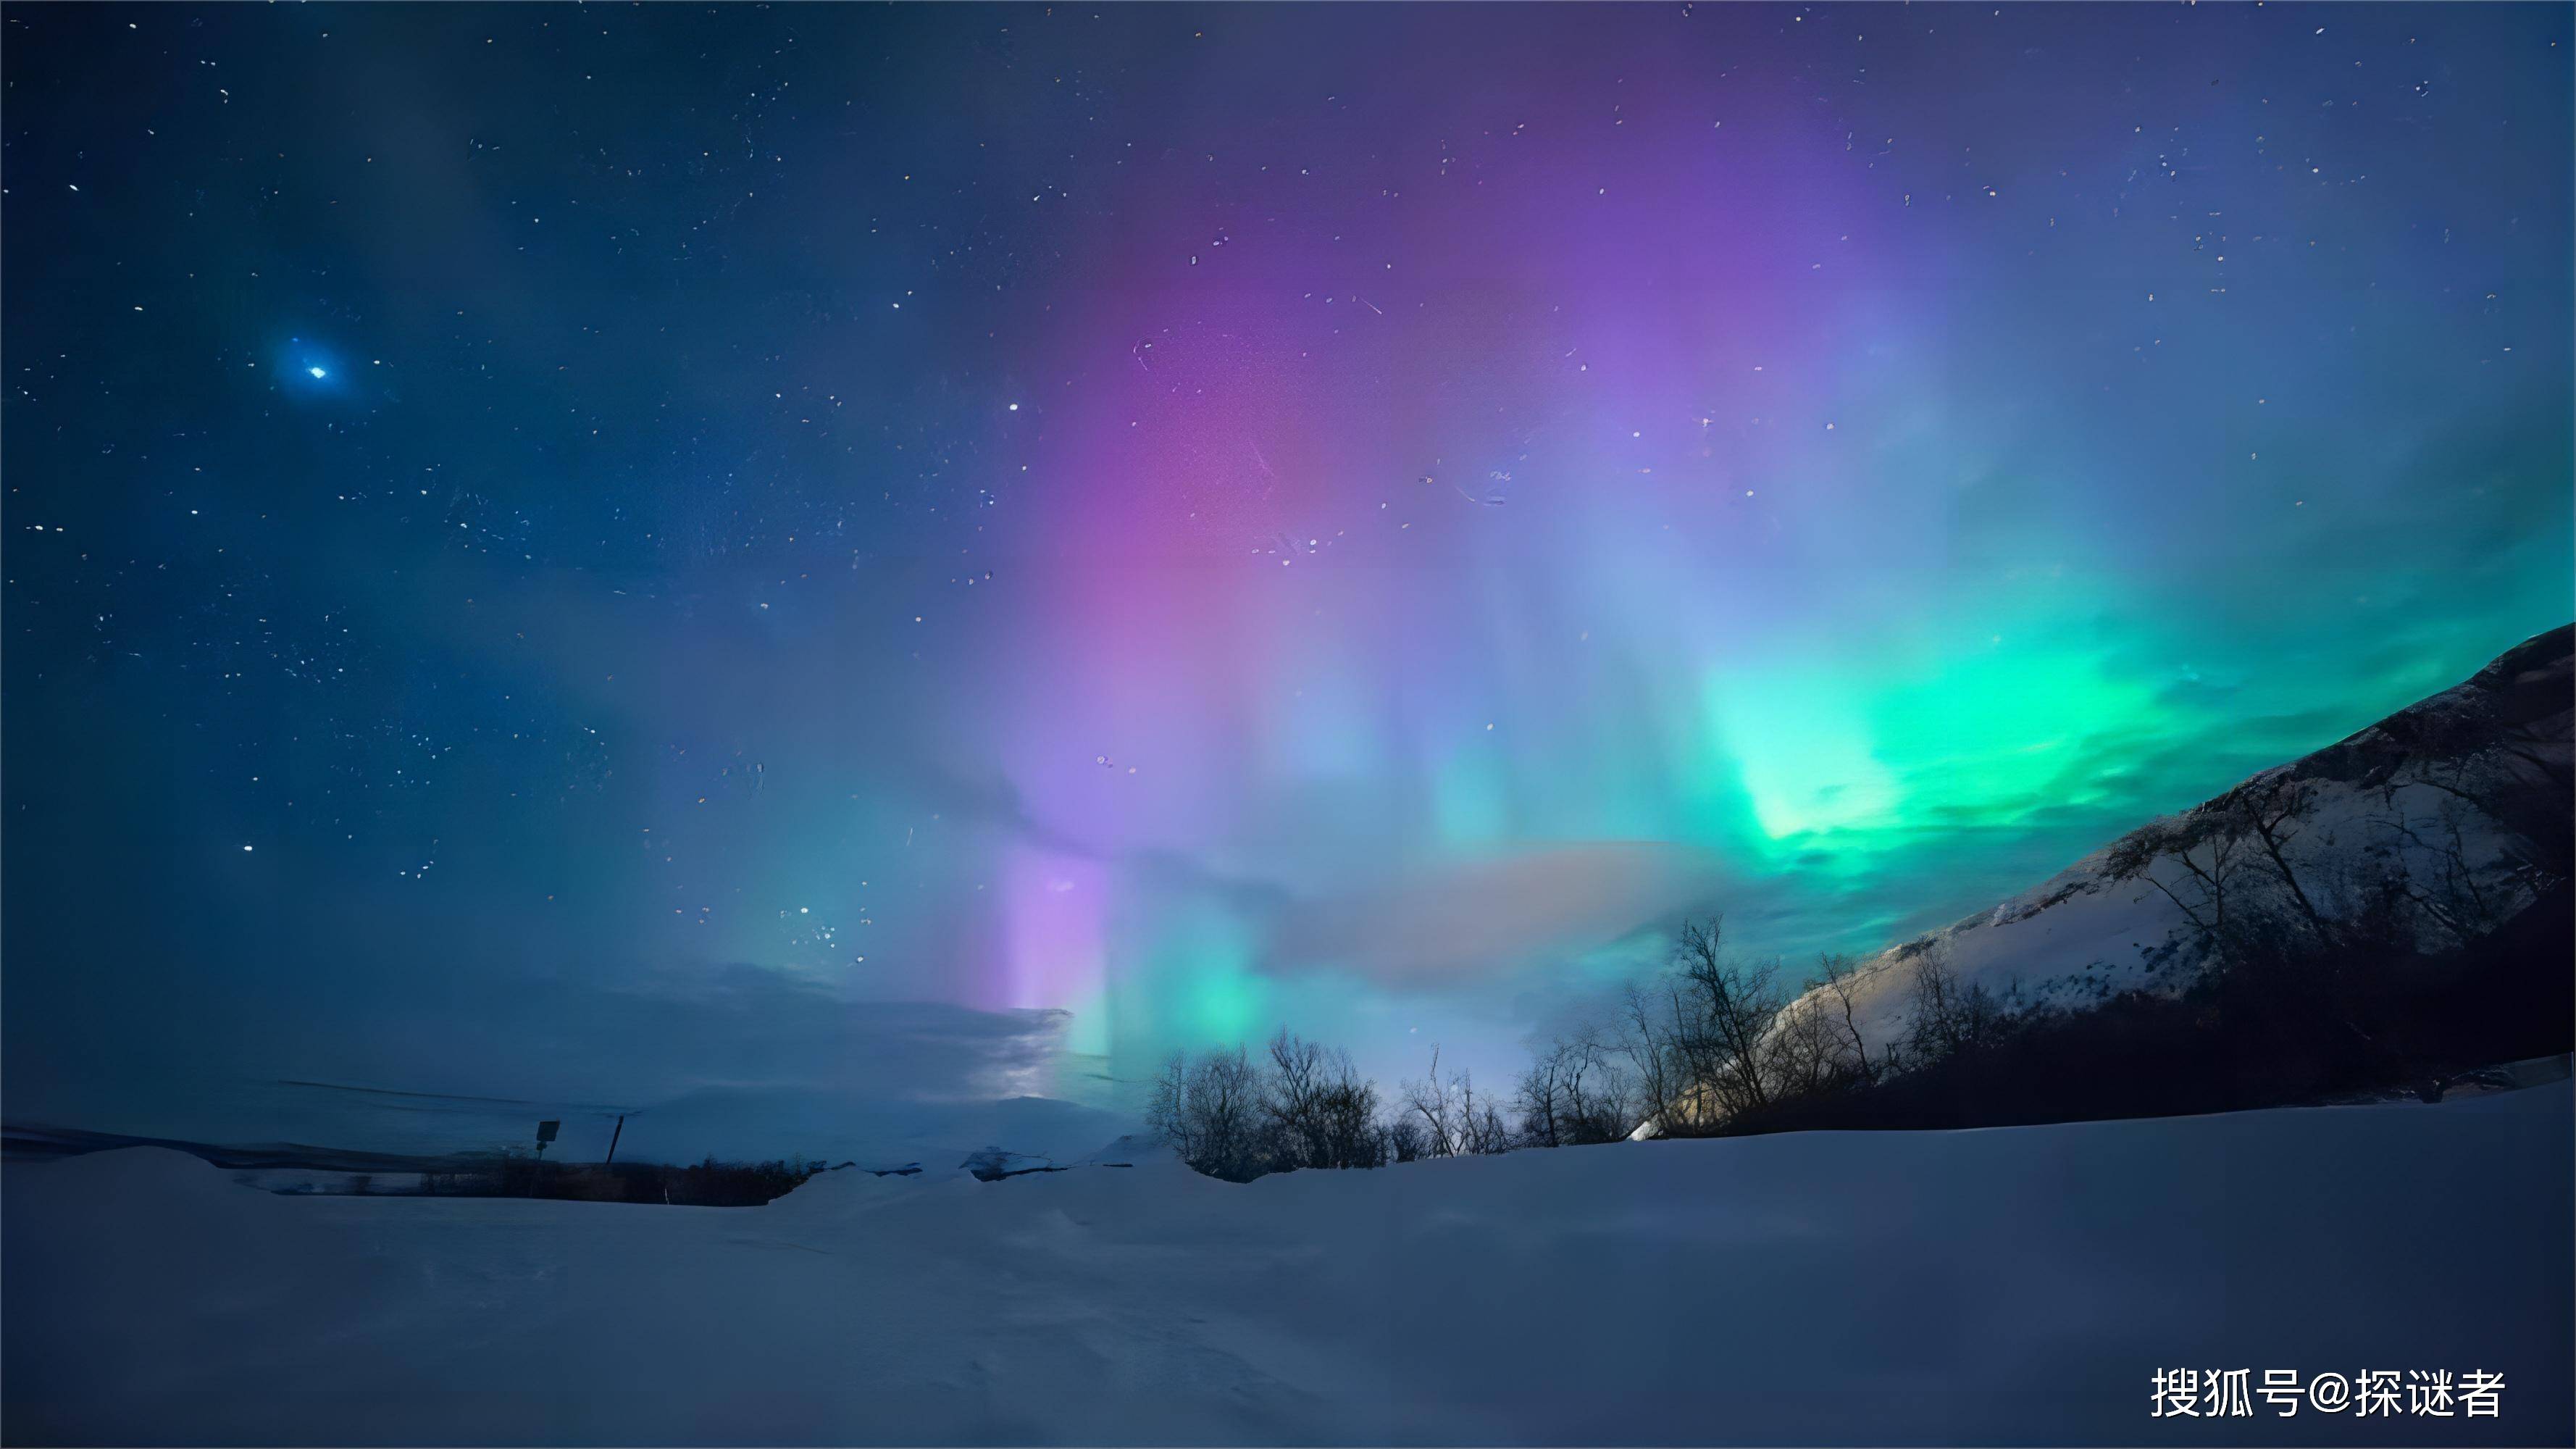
(1575, 1092)
(1210, 1108)
(1321, 1113)
(1839, 981)
(1947, 1017)
(1455, 1121)
(1406, 1140)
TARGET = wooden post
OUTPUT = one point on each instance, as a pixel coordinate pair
(545, 1134)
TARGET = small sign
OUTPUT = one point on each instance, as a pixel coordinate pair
(546, 1131)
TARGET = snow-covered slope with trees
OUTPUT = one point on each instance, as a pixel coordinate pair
(2447, 817)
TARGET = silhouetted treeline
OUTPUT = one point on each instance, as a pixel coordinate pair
(2293, 1008)
(701, 1184)
(1299, 1105)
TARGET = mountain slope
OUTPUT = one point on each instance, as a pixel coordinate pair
(2446, 819)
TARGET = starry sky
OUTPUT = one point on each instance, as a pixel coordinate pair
(598, 552)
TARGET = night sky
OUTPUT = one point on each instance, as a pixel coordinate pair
(598, 552)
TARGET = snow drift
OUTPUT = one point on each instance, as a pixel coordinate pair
(2018, 1285)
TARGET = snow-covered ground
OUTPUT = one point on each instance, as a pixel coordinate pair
(2016, 1285)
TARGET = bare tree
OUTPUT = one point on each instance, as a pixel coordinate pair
(1599, 1101)
(2207, 849)
(2517, 789)
(1540, 1098)
(1486, 1131)
(1722, 1008)
(1840, 980)
(1299, 1072)
(1455, 1122)
(1645, 1037)
(1696, 1043)
(2461, 897)
(1322, 1112)
(2522, 783)
(1210, 1108)
(1803, 1054)
(1434, 1105)
(1406, 1140)
(2274, 812)
(1351, 1135)
(1946, 1016)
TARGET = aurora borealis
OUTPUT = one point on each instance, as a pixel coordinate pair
(1197, 518)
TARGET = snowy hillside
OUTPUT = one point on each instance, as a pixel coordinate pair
(2018, 1285)
(2448, 797)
